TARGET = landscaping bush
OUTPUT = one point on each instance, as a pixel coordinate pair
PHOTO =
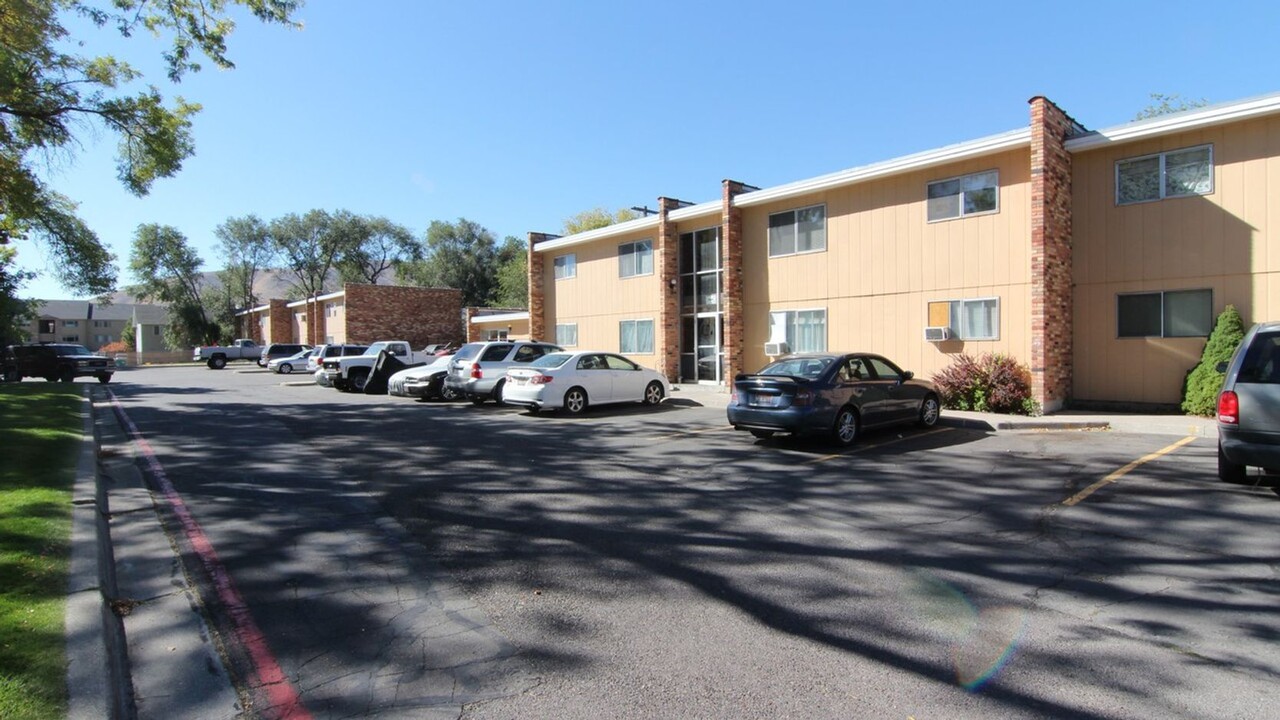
(113, 348)
(1204, 382)
(988, 383)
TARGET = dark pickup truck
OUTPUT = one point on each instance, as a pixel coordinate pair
(53, 361)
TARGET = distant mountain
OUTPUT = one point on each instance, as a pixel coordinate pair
(267, 285)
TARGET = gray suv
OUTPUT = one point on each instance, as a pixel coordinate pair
(1249, 406)
(478, 369)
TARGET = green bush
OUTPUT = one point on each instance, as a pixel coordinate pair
(1204, 382)
(988, 383)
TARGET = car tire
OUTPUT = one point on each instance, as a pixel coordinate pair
(762, 434)
(497, 391)
(1230, 472)
(844, 431)
(66, 375)
(930, 411)
(284, 369)
(653, 393)
(12, 376)
(261, 363)
(575, 401)
(217, 362)
(357, 379)
(104, 378)
(447, 393)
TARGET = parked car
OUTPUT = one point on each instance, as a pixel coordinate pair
(352, 372)
(479, 369)
(574, 380)
(286, 365)
(53, 361)
(280, 350)
(216, 356)
(835, 394)
(1249, 406)
(423, 381)
(316, 361)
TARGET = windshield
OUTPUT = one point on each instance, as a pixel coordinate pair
(801, 367)
(554, 360)
(71, 350)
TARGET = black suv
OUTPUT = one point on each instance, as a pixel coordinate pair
(53, 361)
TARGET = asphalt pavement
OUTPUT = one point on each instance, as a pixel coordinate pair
(133, 608)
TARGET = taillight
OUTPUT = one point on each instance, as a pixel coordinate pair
(475, 371)
(540, 379)
(1229, 408)
(803, 397)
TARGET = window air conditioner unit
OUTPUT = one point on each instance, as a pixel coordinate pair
(775, 349)
(937, 334)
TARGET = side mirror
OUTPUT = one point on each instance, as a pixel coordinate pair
(907, 375)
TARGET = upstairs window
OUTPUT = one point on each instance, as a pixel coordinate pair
(566, 266)
(635, 258)
(798, 231)
(1177, 173)
(963, 196)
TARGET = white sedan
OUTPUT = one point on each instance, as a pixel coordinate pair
(286, 365)
(423, 381)
(573, 380)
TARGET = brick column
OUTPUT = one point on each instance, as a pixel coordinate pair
(281, 321)
(471, 314)
(1051, 273)
(667, 254)
(537, 290)
(731, 293)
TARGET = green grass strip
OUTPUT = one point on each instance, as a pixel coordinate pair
(40, 428)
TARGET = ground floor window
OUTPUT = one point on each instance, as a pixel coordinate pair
(635, 336)
(1176, 313)
(496, 335)
(801, 330)
(567, 334)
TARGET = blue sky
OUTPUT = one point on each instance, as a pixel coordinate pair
(518, 115)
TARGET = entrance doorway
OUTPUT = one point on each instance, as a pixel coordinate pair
(701, 315)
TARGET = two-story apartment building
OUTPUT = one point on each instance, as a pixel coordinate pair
(96, 324)
(1097, 258)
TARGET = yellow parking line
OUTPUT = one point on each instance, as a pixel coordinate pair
(1078, 497)
(825, 458)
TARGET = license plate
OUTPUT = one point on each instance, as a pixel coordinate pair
(522, 381)
(765, 401)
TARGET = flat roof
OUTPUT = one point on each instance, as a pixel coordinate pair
(1192, 119)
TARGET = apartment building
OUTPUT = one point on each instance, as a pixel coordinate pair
(359, 313)
(94, 324)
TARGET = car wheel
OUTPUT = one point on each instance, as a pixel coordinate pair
(762, 434)
(67, 375)
(653, 393)
(358, 379)
(845, 430)
(497, 391)
(1230, 472)
(575, 401)
(262, 363)
(284, 369)
(447, 393)
(930, 411)
(104, 378)
(12, 376)
(217, 362)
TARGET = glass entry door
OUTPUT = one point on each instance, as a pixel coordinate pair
(701, 317)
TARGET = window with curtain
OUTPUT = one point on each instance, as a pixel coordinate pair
(567, 335)
(635, 258)
(566, 266)
(964, 195)
(1177, 313)
(976, 319)
(1176, 173)
(801, 330)
(798, 231)
(636, 336)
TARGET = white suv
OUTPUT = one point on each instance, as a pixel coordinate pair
(478, 370)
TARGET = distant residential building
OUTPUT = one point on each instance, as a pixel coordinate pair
(359, 313)
(94, 325)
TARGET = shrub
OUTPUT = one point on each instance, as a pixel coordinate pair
(988, 383)
(115, 347)
(1204, 382)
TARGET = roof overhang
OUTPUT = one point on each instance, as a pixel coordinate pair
(1177, 122)
(500, 318)
(318, 298)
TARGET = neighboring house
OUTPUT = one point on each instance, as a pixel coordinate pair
(1098, 259)
(497, 324)
(359, 313)
(94, 325)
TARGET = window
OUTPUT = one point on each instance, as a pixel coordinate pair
(801, 330)
(567, 334)
(1182, 313)
(497, 335)
(102, 339)
(964, 195)
(635, 336)
(566, 266)
(70, 323)
(977, 319)
(635, 258)
(71, 338)
(1177, 173)
(155, 329)
(798, 231)
(47, 327)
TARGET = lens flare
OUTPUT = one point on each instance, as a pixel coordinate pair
(982, 640)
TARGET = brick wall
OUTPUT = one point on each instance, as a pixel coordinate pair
(537, 290)
(731, 294)
(280, 322)
(1051, 324)
(667, 263)
(420, 316)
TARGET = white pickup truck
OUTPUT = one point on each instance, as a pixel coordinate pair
(216, 356)
(350, 373)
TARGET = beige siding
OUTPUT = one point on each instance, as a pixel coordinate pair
(885, 262)
(1226, 241)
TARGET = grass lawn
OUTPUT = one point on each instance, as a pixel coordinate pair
(40, 428)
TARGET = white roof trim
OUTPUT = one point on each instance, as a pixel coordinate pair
(318, 298)
(989, 145)
(621, 228)
(1178, 122)
(260, 308)
(500, 317)
(694, 211)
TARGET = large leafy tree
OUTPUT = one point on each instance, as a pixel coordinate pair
(246, 249)
(168, 271)
(49, 96)
(310, 246)
(596, 218)
(374, 246)
(459, 255)
(513, 275)
(15, 313)
(1162, 104)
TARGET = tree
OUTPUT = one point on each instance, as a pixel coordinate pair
(168, 270)
(1204, 381)
(49, 96)
(376, 246)
(513, 275)
(1162, 104)
(310, 246)
(246, 248)
(15, 313)
(596, 218)
(459, 255)
(129, 336)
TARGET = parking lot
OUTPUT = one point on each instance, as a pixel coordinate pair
(651, 562)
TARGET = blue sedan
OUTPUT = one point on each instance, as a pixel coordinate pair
(833, 394)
